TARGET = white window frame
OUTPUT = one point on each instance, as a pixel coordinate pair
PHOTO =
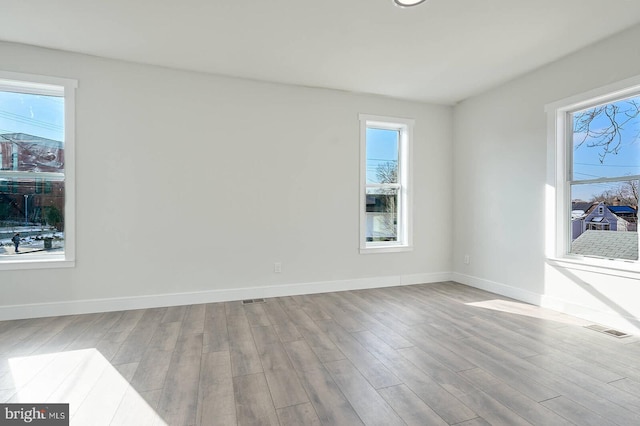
(52, 86)
(404, 185)
(559, 175)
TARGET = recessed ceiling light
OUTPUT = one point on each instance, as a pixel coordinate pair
(408, 3)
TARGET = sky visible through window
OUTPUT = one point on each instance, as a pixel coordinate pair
(590, 161)
(382, 150)
(35, 115)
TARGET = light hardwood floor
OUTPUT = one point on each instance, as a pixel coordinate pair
(432, 354)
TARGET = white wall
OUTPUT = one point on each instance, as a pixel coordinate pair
(499, 186)
(196, 183)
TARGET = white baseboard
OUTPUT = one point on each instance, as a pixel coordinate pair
(609, 319)
(76, 307)
(498, 288)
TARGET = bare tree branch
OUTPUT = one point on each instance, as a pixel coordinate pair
(387, 172)
(609, 136)
(626, 193)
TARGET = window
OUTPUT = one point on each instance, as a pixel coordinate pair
(385, 189)
(36, 171)
(594, 148)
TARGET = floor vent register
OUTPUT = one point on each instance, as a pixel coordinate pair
(609, 331)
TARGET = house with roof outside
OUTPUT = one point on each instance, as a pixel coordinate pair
(627, 213)
(600, 216)
(592, 224)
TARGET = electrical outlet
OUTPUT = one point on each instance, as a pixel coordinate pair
(467, 259)
(277, 267)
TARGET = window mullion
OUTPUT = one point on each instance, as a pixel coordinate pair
(31, 175)
(605, 180)
(383, 185)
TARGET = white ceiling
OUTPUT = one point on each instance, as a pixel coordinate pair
(442, 51)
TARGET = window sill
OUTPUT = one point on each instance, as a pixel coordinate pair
(384, 249)
(622, 268)
(48, 262)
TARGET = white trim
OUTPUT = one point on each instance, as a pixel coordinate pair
(66, 88)
(405, 174)
(615, 267)
(385, 248)
(70, 170)
(498, 288)
(385, 121)
(426, 278)
(76, 307)
(560, 173)
(568, 307)
(39, 83)
(601, 94)
(616, 321)
(363, 182)
(50, 261)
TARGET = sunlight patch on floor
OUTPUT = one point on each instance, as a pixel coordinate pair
(525, 309)
(97, 393)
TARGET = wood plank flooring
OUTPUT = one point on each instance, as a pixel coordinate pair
(432, 354)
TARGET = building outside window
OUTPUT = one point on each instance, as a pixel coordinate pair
(36, 170)
(385, 204)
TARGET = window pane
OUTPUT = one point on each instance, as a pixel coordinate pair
(604, 219)
(31, 132)
(382, 214)
(38, 115)
(606, 140)
(382, 155)
(32, 141)
(38, 218)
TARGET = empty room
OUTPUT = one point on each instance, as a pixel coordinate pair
(356, 212)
